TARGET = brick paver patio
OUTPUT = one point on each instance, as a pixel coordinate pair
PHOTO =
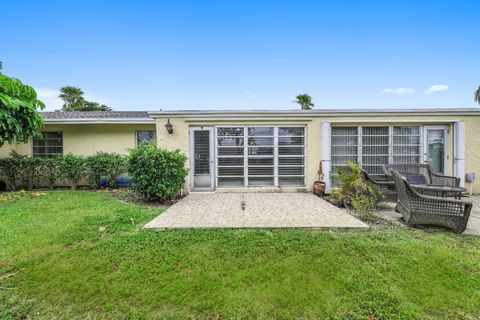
(254, 210)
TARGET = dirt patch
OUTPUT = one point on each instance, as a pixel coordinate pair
(128, 196)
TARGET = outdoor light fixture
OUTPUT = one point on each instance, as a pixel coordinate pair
(169, 127)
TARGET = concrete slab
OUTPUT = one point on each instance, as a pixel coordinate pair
(254, 210)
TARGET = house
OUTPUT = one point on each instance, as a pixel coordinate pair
(275, 150)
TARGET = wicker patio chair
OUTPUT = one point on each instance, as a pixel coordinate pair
(419, 209)
(421, 174)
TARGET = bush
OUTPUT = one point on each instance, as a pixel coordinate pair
(29, 171)
(156, 174)
(50, 170)
(109, 165)
(11, 169)
(72, 169)
(355, 191)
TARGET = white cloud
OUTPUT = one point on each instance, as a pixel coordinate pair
(50, 98)
(437, 88)
(398, 90)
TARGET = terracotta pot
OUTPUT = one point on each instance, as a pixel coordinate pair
(319, 188)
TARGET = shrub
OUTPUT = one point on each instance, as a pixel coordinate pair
(116, 166)
(50, 170)
(10, 168)
(156, 174)
(110, 165)
(96, 168)
(30, 170)
(355, 191)
(72, 168)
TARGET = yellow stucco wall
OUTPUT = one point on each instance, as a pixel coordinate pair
(180, 139)
(88, 139)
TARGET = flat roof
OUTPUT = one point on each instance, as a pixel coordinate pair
(314, 112)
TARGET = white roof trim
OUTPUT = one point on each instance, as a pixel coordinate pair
(244, 114)
(101, 121)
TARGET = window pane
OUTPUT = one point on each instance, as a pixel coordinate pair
(291, 161)
(260, 141)
(230, 171)
(291, 141)
(230, 151)
(49, 145)
(290, 171)
(230, 161)
(291, 150)
(260, 151)
(291, 181)
(260, 131)
(230, 142)
(260, 161)
(260, 171)
(293, 131)
(230, 132)
(260, 181)
(145, 137)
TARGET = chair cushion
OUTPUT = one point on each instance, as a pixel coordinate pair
(416, 178)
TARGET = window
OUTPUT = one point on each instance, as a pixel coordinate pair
(145, 137)
(261, 156)
(372, 147)
(49, 145)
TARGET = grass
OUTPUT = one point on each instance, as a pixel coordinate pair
(81, 255)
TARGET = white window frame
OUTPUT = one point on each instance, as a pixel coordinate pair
(275, 155)
(425, 144)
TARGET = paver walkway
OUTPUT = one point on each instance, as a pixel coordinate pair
(253, 210)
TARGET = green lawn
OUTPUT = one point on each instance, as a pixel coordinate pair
(57, 261)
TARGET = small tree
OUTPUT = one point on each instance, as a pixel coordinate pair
(19, 116)
(156, 174)
(96, 168)
(477, 95)
(305, 101)
(29, 171)
(72, 169)
(117, 165)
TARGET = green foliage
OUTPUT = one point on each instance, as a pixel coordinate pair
(354, 190)
(477, 95)
(19, 116)
(50, 170)
(74, 101)
(9, 167)
(156, 174)
(72, 168)
(305, 101)
(30, 171)
(109, 165)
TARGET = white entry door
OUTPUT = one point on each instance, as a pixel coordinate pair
(436, 147)
(202, 159)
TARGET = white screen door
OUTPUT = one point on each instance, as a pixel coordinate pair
(202, 159)
(435, 147)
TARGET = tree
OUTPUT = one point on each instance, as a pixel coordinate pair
(72, 97)
(95, 106)
(19, 116)
(477, 96)
(305, 101)
(74, 101)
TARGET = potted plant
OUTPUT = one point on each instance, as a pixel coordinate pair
(319, 185)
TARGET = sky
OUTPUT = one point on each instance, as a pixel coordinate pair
(152, 55)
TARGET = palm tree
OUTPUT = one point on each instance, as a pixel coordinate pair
(477, 96)
(305, 101)
(72, 97)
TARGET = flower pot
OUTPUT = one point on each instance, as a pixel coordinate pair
(319, 188)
